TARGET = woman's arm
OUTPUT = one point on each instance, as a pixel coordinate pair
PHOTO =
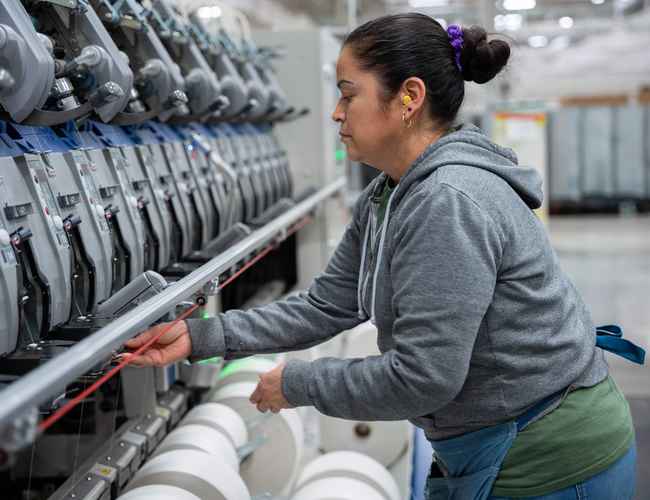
(300, 321)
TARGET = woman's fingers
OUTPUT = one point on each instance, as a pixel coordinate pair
(268, 393)
(256, 397)
(143, 338)
(152, 357)
(139, 361)
(173, 345)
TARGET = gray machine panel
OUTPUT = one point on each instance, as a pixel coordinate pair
(200, 191)
(249, 174)
(121, 212)
(222, 162)
(56, 261)
(154, 198)
(629, 161)
(278, 160)
(263, 174)
(159, 175)
(272, 162)
(181, 183)
(598, 153)
(197, 193)
(24, 186)
(246, 207)
(8, 287)
(119, 168)
(262, 167)
(565, 155)
(210, 182)
(28, 62)
(70, 176)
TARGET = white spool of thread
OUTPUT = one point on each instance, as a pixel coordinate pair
(337, 488)
(273, 467)
(352, 465)
(221, 418)
(245, 370)
(200, 438)
(203, 475)
(384, 441)
(158, 492)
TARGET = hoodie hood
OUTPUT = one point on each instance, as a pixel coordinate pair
(469, 146)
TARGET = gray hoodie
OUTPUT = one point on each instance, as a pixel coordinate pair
(476, 320)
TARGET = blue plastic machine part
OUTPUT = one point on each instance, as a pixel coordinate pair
(109, 135)
(8, 146)
(145, 134)
(21, 139)
(165, 132)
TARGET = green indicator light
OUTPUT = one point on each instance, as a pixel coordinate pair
(340, 154)
(235, 366)
(209, 361)
(205, 315)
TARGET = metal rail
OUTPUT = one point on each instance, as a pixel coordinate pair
(24, 395)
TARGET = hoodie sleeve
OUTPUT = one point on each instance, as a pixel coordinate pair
(444, 263)
(300, 321)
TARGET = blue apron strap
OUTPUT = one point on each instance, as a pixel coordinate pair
(610, 338)
(538, 409)
(613, 330)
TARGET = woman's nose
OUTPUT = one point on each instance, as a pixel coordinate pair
(338, 115)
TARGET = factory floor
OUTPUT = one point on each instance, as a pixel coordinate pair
(608, 258)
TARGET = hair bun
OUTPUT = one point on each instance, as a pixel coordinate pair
(482, 60)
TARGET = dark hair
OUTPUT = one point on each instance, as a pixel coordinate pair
(401, 46)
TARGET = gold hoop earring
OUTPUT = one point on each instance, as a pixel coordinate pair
(408, 123)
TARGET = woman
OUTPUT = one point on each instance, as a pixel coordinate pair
(485, 342)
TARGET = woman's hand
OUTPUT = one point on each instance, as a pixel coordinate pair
(268, 393)
(174, 345)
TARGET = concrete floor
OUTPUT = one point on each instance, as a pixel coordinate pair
(608, 259)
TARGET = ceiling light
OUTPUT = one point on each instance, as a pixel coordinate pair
(598, 2)
(419, 4)
(519, 4)
(566, 22)
(538, 41)
(209, 12)
(508, 22)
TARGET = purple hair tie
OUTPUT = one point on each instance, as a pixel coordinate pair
(455, 34)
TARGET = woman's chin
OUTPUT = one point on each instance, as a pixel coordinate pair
(352, 154)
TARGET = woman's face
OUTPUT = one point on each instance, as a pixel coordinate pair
(369, 126)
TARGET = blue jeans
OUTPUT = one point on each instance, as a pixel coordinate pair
(615, 483)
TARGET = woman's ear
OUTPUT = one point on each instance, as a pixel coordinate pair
(412, 96)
